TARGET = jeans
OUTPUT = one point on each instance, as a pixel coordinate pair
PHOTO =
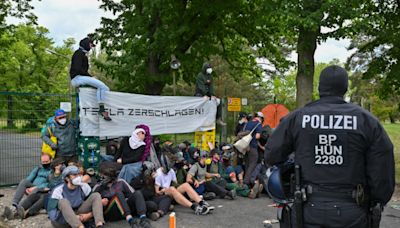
(34, 202)
(161, 203)
(137, 204)
(19, 193)
(87, 80)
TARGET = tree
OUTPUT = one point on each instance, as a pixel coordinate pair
(139, 42)
(305, 20)
(26, 66)
(378, 44)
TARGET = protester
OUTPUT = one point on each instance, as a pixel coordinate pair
(157, 206)
(205, 88)
(252, 155)
(80, 76)
(65, 130)
(165, 176)
(241, 123)
(197, 178)
(35, 186)
(119, 199)
(130, 154)
(72, 204)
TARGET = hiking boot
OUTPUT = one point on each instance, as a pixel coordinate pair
(8, 213)
(21, 212)
(251, 194)
(144, 222)
(135, 224)
(105, 116)
(231, 194)
(209, 196)
(201, 210)
(256, 189)
(260, 189)
(220, 122)
(155, 216)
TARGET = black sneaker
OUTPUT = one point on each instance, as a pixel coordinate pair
(232, 194)
(8, 213)
(201, 210)
(144, 222)
(209, 196)
(155, 216)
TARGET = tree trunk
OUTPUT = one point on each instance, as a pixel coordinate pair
(306, 45)
(156, 84)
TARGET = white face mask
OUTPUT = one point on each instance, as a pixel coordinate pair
(241, 121)
(62, 121)
(209, 70)
(77, 180)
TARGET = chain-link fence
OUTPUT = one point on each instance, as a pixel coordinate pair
(22, 116)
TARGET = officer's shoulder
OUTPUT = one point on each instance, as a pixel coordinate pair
(361, 111)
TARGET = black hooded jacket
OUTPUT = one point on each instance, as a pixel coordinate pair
(80, 62)
(204, 82)
(336, 143)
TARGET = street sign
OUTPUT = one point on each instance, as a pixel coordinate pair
(244, 101)
(234, 104)
(202, 138)
(66, 106)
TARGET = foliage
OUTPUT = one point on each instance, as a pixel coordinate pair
(139, 42)
(26, 66)
(377, 41)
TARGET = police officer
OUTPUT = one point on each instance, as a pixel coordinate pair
(345, 155)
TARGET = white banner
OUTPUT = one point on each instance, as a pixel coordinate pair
(163, 114)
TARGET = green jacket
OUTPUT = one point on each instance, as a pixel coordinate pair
(204, 83)
(66, 137)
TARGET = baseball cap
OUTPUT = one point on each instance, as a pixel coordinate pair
(59, 113)
(70, 170)
(179, 157)
(260, 114)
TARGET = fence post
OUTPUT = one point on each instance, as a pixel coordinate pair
(223, 136)
(10, 121)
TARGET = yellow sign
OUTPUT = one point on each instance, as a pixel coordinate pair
(202, 138)
(234, 104)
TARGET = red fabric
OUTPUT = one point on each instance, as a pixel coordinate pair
(273, 114)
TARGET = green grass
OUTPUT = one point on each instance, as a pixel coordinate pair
(393, 131)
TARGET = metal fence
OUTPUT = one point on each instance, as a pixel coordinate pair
(22, 116)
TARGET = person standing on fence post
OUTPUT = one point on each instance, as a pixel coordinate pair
(80, 75)
(65, 131)
(205, 88)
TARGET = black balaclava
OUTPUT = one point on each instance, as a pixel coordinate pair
(333, 81)
(85, 44)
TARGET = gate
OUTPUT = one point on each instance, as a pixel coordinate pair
(22, 116)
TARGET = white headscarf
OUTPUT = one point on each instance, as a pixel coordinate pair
(134, 141)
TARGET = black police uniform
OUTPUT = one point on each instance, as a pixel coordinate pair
(339, 146)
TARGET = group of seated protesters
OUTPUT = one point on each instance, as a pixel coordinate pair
(140, 181)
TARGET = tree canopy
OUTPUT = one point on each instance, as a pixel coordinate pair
(141, 38)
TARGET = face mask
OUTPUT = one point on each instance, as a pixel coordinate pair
(77, 180)
(62, 121)
(46, 166)
(241, 121)
(209, 70)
